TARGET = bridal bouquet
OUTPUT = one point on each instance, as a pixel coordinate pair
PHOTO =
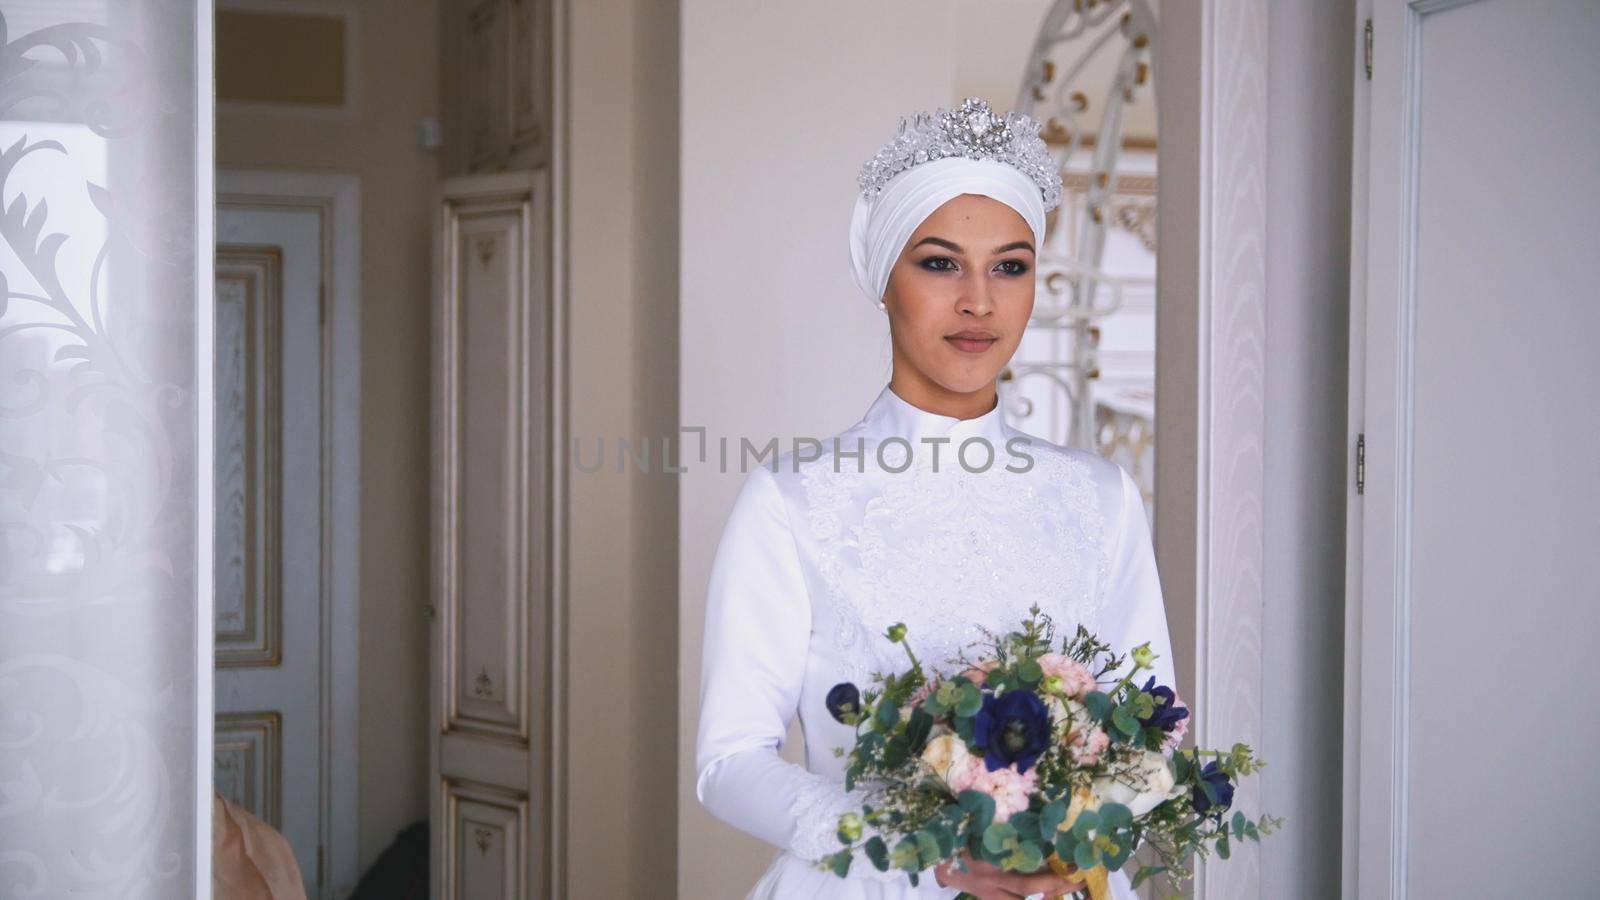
(1031, 758)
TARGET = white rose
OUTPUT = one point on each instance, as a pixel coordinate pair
(945, 754)
(1140, 787)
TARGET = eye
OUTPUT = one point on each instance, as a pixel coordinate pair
(939, 264)
(1013, 267)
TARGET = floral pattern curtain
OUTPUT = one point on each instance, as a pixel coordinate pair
(104, 445)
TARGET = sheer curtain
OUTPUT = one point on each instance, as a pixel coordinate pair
(105, 293)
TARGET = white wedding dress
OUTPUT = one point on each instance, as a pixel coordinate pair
(818, 559)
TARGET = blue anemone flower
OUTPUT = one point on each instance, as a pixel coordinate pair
(1221, 786)
(843, 699)
(1011, 728)
(1168, 713)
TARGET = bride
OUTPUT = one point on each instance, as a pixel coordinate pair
(931, 511)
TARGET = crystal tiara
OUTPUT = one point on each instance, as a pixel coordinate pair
(972, 131)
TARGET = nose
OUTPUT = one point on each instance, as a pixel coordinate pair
(974, 298)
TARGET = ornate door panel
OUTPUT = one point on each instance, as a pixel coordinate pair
(491, 758)
(497, 76)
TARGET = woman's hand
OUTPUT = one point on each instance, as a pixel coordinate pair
(989, 882)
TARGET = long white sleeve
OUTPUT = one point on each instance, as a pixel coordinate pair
(1134, 612)
(757, 631)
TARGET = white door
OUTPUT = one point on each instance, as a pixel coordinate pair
(1474, 583)
(269, 623)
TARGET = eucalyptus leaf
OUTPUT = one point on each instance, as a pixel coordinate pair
(996, 835)
(906, 856)
(1028, 857)
(1114, 816)
(1026, 823)
(928, 847)
(1086, 855)
(1050, 819)
(971, 701)
(1099, 705)
(1124, 722)
(878, 853)
(980, 806)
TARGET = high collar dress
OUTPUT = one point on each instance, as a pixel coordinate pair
(950, 526)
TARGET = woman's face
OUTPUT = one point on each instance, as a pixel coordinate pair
(960, 296)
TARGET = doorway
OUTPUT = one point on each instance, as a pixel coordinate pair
(286, 482)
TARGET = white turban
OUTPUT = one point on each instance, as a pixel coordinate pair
(881, 226)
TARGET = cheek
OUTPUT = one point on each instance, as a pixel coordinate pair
(1018, 305)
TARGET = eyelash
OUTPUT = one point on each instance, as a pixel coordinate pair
(1020, 267)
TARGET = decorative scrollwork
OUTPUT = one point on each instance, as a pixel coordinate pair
(1076, 293)
(98, 454)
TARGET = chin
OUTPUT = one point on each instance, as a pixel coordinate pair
(968, 382)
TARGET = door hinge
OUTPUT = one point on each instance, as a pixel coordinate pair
(1366, 42)
(1361, 463)
(322, 304)
(320, 872)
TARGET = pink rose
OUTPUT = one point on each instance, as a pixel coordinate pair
(1181, 728)
(1087, 746)
(1009, 788)
(979, 673)
(1075, 679)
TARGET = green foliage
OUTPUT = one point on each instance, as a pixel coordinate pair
(971, 700)
(878, 853)
(840, 863)
(906, 855)
(1050, 819)
(916, 823)
(1099, 706)
(980, 807)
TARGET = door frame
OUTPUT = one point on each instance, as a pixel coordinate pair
(1378, 536)
(336, 198)
(1212, 76)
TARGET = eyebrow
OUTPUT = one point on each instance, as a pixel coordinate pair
(956, 248)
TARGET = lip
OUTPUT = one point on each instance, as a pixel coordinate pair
(971, 341)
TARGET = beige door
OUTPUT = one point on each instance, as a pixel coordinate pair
(491, 672)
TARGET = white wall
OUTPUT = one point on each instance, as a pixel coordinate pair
(1312, 63)
(781, 104)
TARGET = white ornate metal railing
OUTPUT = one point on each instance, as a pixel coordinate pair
(1077, 42)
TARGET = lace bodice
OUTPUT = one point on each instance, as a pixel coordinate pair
(884, 525)
(920, 546)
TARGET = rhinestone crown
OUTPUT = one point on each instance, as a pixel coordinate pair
(973, 131)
